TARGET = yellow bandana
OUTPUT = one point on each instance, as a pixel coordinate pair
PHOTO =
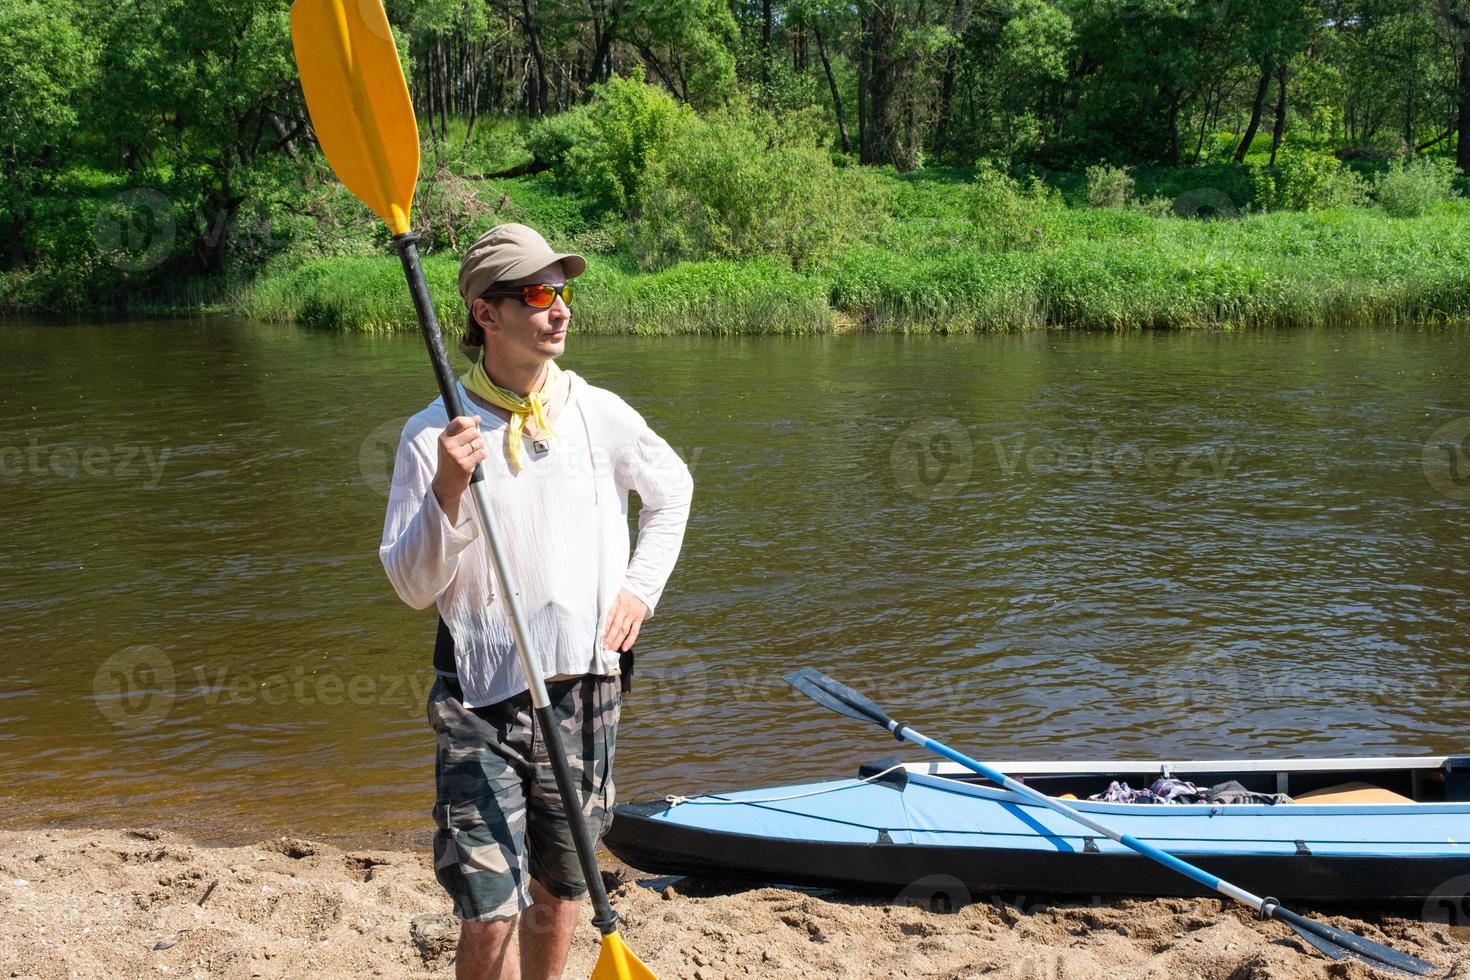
(532, 406)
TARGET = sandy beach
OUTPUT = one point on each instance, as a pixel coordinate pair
(148, 903)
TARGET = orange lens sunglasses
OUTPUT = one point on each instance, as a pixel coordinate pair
(539, 295)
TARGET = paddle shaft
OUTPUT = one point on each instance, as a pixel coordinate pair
(908, 734)
(604, 918)
(1327, 939)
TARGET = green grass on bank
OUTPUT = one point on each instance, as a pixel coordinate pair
(1122, 270)
(367, 295)
(1091, 268)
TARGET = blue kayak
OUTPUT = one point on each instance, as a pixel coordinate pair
(1356, 830)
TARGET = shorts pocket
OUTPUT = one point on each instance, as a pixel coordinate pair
(478, 858)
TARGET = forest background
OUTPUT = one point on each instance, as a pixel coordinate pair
(765, 167)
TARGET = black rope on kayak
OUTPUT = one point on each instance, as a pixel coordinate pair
(674, 801)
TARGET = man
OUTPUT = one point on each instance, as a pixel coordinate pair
(560, 457)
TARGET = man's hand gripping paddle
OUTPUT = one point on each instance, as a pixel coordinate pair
(364, 122)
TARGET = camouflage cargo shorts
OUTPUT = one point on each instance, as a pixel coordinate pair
(500, 818)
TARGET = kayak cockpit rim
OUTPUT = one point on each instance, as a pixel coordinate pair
(1423, 779)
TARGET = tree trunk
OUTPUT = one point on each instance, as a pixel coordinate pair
(862, 88)
(536, 86)
(606, 32)
(658, 69)
(1257, 108)
(832, 83)
(426, 91)
(1204, 122)
(445, 94)
(946, 85)
(1279, 130)
(766, 43)
(477, 76)
(590, 77)
(17, 241)
(880, 87)
(212, 240)
(1462, 125)
(1174, 131)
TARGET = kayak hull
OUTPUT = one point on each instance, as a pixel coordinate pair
(957, 874)
(938, 840)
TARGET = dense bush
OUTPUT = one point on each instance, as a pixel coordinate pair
(1004, 214)
(740, 184)
(1109, 186)
(604, 149)
(1307, 180)
(1409, 189)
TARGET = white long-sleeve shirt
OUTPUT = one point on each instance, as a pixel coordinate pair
(564, 520)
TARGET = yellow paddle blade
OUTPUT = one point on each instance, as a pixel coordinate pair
(617, 962)
(359, 102)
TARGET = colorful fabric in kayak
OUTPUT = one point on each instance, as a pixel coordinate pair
(1162, 791)
(1178, 791)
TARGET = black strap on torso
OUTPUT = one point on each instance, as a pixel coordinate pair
(444, 650)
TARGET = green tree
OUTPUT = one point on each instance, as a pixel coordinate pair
(47, 69)
(1035, 51)
(206, 94)
(1275, 32)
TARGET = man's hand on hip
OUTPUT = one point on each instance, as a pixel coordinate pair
(623, 621)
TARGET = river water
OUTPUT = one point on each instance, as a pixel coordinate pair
(1163, 545)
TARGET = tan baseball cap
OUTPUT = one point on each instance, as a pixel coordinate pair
(509, 251)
